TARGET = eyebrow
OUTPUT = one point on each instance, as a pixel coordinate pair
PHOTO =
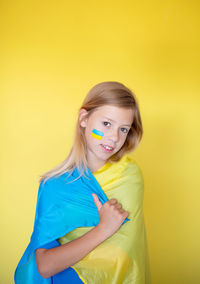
(115, 121)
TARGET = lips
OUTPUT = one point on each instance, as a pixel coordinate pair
(108, 146)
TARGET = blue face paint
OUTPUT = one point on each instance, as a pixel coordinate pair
(97, 134)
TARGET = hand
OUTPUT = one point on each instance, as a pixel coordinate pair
(111, 215)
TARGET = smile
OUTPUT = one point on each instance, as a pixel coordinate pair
(107, 148)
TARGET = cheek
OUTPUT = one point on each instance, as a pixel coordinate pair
(124, 139)
(96, 134)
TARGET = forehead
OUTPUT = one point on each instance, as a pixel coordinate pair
(116, 114)
(112, 109)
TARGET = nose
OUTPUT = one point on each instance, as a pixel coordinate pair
(114, 136)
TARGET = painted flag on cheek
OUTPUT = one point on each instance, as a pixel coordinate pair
(97, 134)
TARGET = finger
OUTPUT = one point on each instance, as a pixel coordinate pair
(112, 201)
(121, 210)
(126, 213)
(118, 205)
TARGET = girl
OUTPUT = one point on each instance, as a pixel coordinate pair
(81, 231)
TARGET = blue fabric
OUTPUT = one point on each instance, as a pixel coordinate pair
(69, 275)
(61, 207)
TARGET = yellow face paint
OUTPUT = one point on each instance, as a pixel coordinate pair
(97, 134)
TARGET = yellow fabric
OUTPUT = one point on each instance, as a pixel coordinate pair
(123, 257)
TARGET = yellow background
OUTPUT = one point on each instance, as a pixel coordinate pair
(52, 53)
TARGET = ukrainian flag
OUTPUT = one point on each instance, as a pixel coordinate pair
(69, 212)
(97, 134)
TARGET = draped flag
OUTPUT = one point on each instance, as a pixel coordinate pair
(65, 210)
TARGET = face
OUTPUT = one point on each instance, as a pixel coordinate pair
(106, 126)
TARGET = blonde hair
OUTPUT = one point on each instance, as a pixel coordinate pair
(105, 93)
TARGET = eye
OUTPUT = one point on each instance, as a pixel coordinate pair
(105, 122)
(125, 129)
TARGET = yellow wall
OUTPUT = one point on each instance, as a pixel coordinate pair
(52, 53)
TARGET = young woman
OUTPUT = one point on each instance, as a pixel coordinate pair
(82, 233)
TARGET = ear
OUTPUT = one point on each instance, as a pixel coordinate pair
(82, 117)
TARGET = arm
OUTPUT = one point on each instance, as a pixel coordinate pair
(54, 260)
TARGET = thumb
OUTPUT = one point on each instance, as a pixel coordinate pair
(97, 201)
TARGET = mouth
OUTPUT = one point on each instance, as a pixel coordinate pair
(107, 148)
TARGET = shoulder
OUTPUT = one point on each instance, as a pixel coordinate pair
(46, 185)
(56, 188)
(53, 183)
(132, 169)
(49, 192)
